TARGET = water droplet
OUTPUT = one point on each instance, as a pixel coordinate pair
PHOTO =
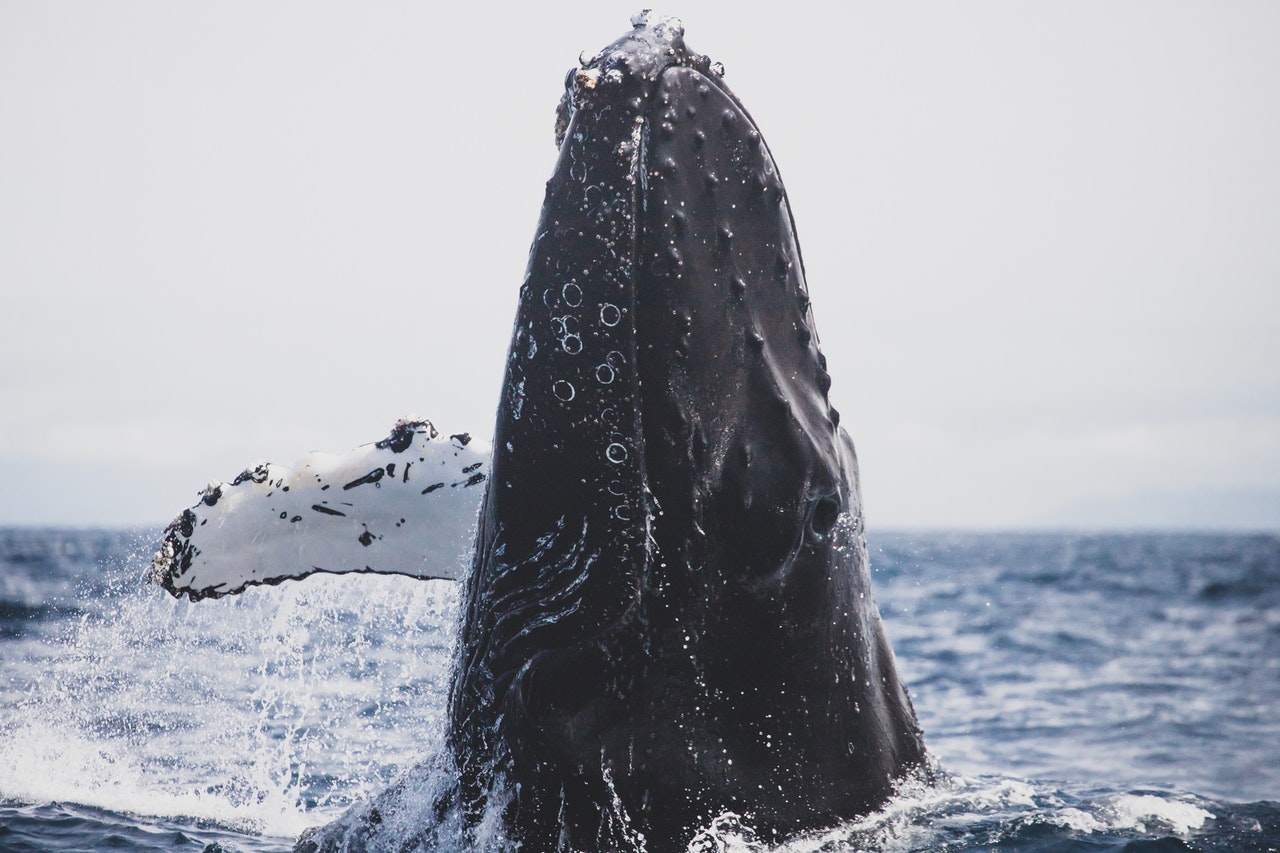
(563, 390)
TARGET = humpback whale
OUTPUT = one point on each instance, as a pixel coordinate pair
(667, 616)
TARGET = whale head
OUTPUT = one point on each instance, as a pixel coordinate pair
(669, 612)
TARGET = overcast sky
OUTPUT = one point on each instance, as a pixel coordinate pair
(1042, 240)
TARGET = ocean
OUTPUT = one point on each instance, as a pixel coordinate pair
(1078, 692)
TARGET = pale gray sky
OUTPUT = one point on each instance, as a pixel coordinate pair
(1042, 240)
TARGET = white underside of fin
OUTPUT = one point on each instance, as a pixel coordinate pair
(405, 505)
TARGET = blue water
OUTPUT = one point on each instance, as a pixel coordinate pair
(1079, 693)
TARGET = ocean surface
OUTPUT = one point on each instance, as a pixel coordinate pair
(1078, 693)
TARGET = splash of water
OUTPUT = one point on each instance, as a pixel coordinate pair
(264, 713)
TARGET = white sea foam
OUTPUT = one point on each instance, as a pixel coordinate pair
(265, 714)
(1152, 813)
(926, 816)
(49, 763)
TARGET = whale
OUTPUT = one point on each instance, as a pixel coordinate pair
(666, 617)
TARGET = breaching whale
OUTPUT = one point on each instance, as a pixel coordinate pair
(668, 614)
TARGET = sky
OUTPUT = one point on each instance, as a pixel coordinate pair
(1042, 240)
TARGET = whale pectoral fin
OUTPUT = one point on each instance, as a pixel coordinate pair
(404, 505)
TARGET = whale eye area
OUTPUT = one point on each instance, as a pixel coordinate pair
(823, 515)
